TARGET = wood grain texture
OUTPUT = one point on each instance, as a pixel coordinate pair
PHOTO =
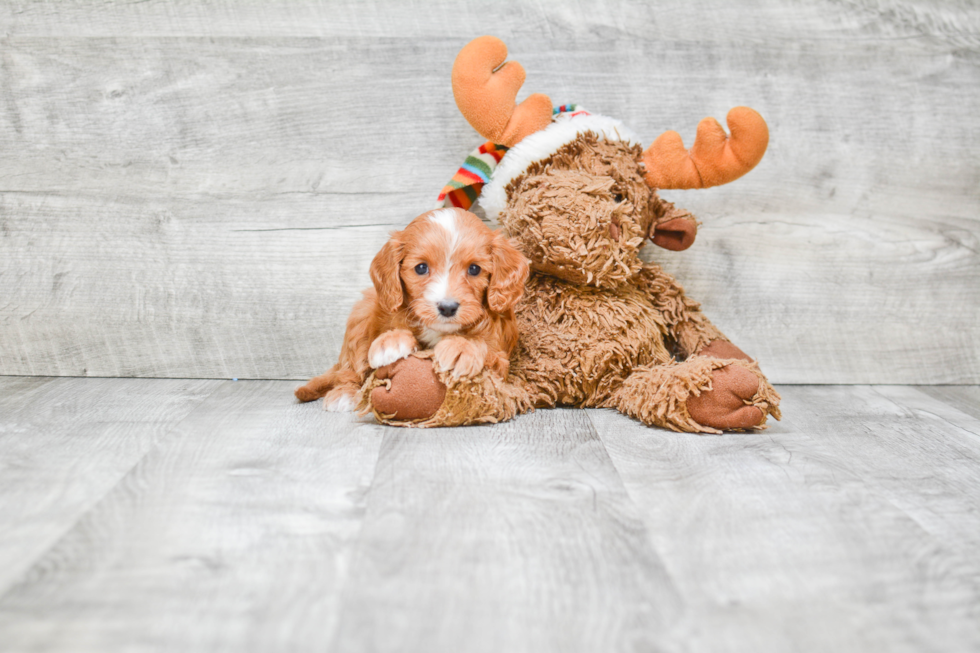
(516, 537)
(965, 398)
(955, 21)
(147, 515)
(850, 526)
(849, 255)
(234, 535)
(65, 443)
(183, 289)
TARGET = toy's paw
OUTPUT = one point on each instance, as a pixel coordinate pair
(415, 393)
(463, 356)
(391, 346)
(723, 407)
(723, 349)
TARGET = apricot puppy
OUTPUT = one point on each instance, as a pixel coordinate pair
(446, 282)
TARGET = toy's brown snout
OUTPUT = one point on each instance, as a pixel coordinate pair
(676, 235)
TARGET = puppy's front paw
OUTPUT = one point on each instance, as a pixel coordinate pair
(464, 357)
(391, 346)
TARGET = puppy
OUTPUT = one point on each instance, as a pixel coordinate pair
(446, 282)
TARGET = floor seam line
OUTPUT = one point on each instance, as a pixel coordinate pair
(154, 446)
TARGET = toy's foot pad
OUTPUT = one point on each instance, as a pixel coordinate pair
(723, 407)
(413, 390)
(724, 349)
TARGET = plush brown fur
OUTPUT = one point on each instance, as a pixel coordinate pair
(598, 326)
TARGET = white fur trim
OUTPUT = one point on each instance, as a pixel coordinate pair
(541, 145)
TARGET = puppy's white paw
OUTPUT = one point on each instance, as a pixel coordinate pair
(390, 347)
(339, 402)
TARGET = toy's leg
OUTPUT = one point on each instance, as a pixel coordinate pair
(700, 395)
(691, 330)
(413, 392)
(722, 404)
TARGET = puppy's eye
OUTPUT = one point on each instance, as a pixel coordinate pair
(617, 198)
(421, 268)
(474, 270)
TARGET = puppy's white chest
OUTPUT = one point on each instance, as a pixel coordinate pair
(430, 337)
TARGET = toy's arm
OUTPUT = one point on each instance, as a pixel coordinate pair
(416, 392)
(736, 382)
(692, 331)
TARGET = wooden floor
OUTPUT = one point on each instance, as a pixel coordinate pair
(190, 515)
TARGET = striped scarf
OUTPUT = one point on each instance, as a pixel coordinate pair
(465, 186)
(463, 189)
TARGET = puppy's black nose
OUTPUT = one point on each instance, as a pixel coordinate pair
(447, 308)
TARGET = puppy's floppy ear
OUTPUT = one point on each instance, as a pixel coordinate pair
(510, 271)
(386, 275)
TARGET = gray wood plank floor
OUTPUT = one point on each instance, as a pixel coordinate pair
(149, 515)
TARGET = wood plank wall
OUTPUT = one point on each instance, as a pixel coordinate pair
(197, 189)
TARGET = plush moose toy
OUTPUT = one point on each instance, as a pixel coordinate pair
(599, 327)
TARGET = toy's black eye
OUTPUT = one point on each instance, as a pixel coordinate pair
(617, 198)
(421, 268)
(474, 270)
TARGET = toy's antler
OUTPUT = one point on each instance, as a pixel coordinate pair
(485, 89)
(714, 159)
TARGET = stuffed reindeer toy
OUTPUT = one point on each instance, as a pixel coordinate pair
(598, 327)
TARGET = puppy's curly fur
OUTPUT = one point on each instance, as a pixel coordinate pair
(446, 281)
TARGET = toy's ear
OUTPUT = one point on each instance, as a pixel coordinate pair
(385, 274)
(676, 235)
(510, 271)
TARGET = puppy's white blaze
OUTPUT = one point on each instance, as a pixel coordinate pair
(436, 290)
(388, 355)
(342, 404)
(446, 218)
